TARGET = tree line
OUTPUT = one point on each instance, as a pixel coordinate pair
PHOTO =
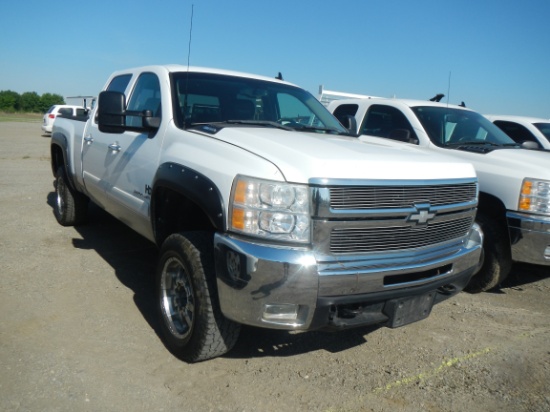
(11, 101)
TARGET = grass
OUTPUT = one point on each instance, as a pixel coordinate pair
(21, 117)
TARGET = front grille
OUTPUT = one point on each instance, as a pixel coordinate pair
(392, 238)
(399, 196)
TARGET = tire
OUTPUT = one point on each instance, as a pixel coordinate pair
(497, 259)
(71, 207)
(192, 325)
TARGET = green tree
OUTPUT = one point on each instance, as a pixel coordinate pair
(49, 99)
(30, 102)
(9, 101)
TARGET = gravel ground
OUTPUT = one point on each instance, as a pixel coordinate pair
(78, 331)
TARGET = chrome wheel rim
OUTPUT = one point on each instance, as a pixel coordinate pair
(59, 202)
(177, 299)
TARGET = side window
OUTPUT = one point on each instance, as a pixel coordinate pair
(66, 111)
(119, 83)
(388, 122)
(145, 96)
(517, 132)
(343, 111)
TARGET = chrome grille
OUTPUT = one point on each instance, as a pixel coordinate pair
(391, 238)
(399, 196)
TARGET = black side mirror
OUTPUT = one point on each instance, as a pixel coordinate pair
(402, 135)
(349, 123)
(149, 121)
(110, 112)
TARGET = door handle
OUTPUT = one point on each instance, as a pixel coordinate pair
(88, 139)
(114, 147)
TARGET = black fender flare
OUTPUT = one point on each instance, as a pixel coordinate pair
(60, 140)
(193, 185)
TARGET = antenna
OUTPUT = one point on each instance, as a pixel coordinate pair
(187, 73)
(449, 88)
(190, 34)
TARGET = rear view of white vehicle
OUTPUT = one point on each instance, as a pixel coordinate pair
(532, 132)
(59, 110)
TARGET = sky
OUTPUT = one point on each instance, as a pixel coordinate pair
(492, 54)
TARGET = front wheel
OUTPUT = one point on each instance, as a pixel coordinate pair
(497, 260)
(192, 324)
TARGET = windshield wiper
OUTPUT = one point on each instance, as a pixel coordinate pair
(473, 143)
(265, 123)
(306, 127)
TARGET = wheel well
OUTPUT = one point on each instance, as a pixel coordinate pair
(173, 212)
(492, 206)
(57, 157)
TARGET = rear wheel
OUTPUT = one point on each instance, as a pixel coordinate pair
(71, 207)
(497, 260)
(192, 324)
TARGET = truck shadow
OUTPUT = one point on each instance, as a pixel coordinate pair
(133, 259)
(523, 274)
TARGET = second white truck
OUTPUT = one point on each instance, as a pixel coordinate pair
(514, 203)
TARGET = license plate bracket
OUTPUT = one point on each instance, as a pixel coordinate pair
(403, 311)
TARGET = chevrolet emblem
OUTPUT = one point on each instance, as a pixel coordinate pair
(421, 216)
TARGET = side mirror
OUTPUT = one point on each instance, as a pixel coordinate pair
(402, 135)
(110, 112)
(530, 145)
(349, 123)
(149, 121)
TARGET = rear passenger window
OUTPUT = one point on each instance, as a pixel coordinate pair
(65, 111)
(119, 83)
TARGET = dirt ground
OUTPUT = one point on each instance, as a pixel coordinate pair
(78, 331)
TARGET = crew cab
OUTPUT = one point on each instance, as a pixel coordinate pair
(535, 131)
(514, 204)
(265, 211)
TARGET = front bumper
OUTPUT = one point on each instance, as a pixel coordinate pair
(529, 237)
(297, 289)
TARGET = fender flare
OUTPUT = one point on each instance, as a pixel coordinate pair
(193, 185)
(60, 140)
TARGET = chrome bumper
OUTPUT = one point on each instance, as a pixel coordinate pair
(529, 237)
(297, 289)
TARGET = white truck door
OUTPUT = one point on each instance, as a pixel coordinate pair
(124, 164)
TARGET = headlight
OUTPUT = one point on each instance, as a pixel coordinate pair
(535, 196)
(272, 210)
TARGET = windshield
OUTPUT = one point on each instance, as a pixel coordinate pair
(454, 127)
(213, 98)
(544, 129)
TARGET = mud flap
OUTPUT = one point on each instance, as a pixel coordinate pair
(409, 309)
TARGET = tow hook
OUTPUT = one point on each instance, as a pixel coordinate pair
(447, 289)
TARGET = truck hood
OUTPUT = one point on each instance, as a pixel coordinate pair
(301, 156)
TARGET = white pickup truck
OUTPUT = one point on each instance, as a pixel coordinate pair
(265, 211)
(522, 129)
(514, 203)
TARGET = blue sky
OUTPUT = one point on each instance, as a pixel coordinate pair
(496, 53)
